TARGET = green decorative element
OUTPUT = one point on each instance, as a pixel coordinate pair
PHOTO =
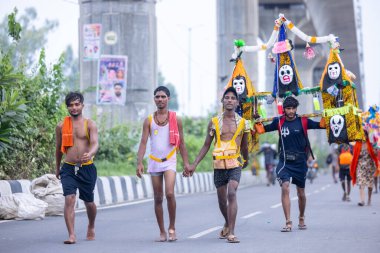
(312, 90)
(250, 99)
(239, 43)
(262, 111)
(348, 83)
(341, 111)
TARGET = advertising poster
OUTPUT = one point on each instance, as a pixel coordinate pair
(112, 85)
(91, 41)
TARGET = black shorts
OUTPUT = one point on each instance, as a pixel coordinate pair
(344, 173)
(84, 180)
(223, 176)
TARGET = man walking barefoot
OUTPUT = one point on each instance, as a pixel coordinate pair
(77, 138)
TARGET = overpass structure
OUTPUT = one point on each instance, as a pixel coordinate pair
(253, 19)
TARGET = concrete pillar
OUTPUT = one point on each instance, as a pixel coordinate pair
(134, 24)
(235, 20)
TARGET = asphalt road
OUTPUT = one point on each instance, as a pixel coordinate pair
(333, 225)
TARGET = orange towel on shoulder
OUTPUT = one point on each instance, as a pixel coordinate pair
(173, 130)
(67, 134)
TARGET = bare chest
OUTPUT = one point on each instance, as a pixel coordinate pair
(80, 132)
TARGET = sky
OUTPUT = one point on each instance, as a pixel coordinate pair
(174, 18)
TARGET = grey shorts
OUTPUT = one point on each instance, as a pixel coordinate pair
(222, 176)
(157, 174)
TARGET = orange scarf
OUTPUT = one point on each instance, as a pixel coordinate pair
(355, 159)
(67, 134)
(173, 130)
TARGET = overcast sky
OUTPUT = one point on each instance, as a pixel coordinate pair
(174, 18)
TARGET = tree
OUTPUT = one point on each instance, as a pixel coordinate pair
(30, 108)
(31, 39)
(173, 103)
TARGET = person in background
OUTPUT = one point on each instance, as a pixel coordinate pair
(363, 167)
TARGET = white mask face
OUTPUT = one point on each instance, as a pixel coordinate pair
(239, 85)
(333, 71)
(336, 125)
(286, 74)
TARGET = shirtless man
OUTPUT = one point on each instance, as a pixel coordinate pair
(230, 131)
(164, 130)
(77, 137)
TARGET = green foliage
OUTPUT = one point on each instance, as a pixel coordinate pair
(118, 144)
(30, 39)
(14, 26)
(29, 112)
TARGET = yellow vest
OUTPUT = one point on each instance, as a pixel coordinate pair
(226, 154)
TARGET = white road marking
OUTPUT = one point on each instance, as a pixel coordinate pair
(205, 232)
(119, 205)
(316, 191)
(251, 215)
(276, 205)
(294, 198)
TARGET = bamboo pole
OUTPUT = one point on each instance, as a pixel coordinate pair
(308, 115)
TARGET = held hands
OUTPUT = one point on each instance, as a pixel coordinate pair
(188, 170)
(140, 170)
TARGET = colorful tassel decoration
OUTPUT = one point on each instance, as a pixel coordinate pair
(309, 52)
(262, 111)
(271, 58)
(279, 108)
(317, 105)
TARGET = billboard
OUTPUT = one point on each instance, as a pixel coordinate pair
(112, 79)
(91, 41)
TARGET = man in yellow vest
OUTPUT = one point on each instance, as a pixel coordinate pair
(230, 155)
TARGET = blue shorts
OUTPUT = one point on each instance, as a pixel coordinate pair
(294, 170)
(84, 180)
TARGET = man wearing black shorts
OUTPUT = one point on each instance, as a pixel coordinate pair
(77, 138)
(293, 153)
(230, 155)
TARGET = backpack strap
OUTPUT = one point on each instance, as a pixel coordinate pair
(215, 121)
(304, 127)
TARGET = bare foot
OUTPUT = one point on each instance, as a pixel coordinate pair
(162, 238)
(71, 240)
(90, 234)
(172, 235)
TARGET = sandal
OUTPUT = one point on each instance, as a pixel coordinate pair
(224, 233)
(288, 226)
(232, 239)
(303, 226)
(361, 204)
(172, 235)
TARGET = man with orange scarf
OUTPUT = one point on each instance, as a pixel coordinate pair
(77, 138)
(364, 165)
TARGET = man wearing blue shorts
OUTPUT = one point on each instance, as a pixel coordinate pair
(77, 138)
(294, 149)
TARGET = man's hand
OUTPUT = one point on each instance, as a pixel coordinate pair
(245, 164)
(85, 158)
(57, 173)
(140, 170)
(191, 169)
